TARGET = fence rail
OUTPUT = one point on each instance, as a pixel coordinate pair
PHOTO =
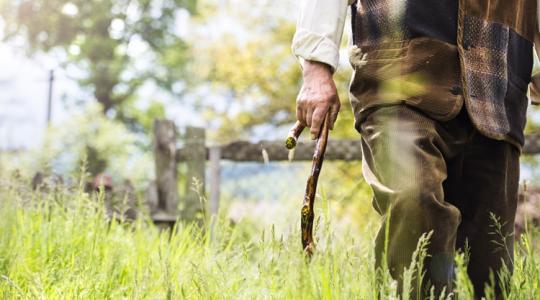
(532, 144)
(242, 151)
(195, 156)
(345, 150)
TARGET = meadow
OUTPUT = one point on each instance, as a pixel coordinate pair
(60, 245)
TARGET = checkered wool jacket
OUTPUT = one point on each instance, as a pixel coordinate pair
(486, 66)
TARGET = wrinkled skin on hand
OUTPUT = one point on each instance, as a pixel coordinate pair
(317, 97)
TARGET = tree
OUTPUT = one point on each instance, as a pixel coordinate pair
(104, 38)
(253, 68)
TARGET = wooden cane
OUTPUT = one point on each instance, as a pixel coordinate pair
(307, 214)
(293, 136)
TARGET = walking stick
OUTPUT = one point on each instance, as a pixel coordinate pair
(307, 213)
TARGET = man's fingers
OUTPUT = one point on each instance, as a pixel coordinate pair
(334, 111)
(296, 130)
(316, 121)
(300, 115)
(308, 116)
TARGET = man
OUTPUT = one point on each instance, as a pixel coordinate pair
(439, 93)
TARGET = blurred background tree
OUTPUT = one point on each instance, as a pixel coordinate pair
(118, 45)
(229, 63)
(253, 68)
(101, 144)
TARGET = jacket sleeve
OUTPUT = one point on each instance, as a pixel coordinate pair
(319, 30)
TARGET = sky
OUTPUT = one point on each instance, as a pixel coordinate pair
(23, 98)
(24, 84)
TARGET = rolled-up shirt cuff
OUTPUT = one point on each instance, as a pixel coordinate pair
(309, 45)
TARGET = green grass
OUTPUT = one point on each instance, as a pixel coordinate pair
(60, 246)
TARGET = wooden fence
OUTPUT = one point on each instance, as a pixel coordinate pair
(195, 155)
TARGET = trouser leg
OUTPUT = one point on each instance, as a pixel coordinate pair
(405, 165)
(490, 179)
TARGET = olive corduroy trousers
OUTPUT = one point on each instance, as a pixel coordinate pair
(443, 178)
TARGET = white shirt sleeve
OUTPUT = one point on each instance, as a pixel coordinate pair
(319, 30)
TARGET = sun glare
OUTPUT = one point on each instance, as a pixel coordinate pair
(70, 9)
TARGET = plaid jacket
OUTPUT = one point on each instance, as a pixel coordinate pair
(487, 69)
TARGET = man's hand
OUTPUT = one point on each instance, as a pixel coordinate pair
(317, 96)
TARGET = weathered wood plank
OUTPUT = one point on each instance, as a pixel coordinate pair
(195, 160)
(166, 170)
(214, 180)
(164, 220)
(347, 150)
(532, 144)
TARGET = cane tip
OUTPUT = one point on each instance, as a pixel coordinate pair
(309, 250)
(290, 143)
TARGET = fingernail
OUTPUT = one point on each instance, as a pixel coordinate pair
(313, 136)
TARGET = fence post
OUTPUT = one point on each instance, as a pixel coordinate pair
(166, 171)
(195, 161)
(214, 180)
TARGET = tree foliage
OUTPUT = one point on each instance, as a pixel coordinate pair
(118, 44)
(254, 70)
(101, 144)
